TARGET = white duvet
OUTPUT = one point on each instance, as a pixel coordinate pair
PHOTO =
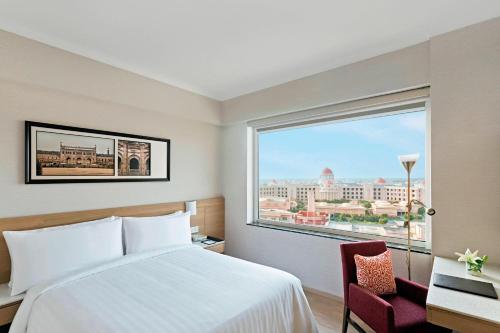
(177, 289)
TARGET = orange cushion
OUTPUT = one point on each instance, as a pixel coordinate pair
(375, 273)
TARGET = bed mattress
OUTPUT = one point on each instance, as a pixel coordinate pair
(176, 289)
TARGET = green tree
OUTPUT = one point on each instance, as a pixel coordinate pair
(343, 218)
(372, 218)
(357, 218)
(337, 201)
(300, 206)
(365, 203)
(383, 220)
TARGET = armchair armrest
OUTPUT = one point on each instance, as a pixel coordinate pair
(373, 310)
(411, 290)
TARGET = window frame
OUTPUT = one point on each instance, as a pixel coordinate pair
(411, 105)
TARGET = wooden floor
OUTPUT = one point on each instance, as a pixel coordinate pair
(328, 312)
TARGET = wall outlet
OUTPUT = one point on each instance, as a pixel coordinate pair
(195, 230)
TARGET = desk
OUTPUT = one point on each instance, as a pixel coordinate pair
(461, 311)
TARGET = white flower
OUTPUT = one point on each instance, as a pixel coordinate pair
(468, 256)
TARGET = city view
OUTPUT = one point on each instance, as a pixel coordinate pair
(361, 200)
(367, 206)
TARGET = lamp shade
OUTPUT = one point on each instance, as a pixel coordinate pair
(191, 207)
(409, 158)
(408, 161)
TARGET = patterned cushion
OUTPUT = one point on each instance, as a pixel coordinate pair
(375, 273)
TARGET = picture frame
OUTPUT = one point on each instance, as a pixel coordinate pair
(67, 154)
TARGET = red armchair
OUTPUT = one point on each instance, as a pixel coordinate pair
(401, 312)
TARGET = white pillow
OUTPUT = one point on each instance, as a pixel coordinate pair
(44, 254)
(148, 233)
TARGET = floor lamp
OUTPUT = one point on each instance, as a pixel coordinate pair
(408, 161)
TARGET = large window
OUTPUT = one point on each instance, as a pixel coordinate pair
(344, 176)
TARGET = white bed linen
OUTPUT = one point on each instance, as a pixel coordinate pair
(175, 289)
(44, 254)
(154, 232)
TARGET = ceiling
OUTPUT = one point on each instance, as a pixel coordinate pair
(226, 48)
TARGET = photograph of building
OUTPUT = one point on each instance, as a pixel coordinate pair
(74, 155)
(134, 158)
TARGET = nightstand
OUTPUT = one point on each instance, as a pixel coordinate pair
(218, 246)
(8, 304)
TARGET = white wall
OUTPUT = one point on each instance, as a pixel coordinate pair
(41, 83)
(465, 94)
(34, 63)
(407, 67)
(462, 68)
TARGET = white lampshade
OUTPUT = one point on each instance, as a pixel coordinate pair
(408, 161)
(409, 158)
(191, 207)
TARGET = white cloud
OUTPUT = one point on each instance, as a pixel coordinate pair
(414, 121)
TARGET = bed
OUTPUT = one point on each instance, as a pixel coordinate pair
(181, 288)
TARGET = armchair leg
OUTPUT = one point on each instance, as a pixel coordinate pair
(356, 326)
(345, 319)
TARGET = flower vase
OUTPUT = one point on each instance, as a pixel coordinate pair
(472, 269)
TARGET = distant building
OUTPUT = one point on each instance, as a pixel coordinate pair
(133, 158)
(383, 207)
(276, 215)
(295, 192)
(344, 208)
(48, 157)
(75, 156)
(311, 216)
(328, 189)
(276, 203)
(274, 190)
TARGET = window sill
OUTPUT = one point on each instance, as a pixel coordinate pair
(416, 249)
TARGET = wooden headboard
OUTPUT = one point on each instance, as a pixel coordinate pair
(209, 217)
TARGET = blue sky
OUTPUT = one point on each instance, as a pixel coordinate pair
(366, 148)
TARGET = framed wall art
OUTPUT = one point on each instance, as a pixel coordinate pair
(64, 154)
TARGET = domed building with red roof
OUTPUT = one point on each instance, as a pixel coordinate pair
(328, 189)
(326, 179)
(327, 171)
